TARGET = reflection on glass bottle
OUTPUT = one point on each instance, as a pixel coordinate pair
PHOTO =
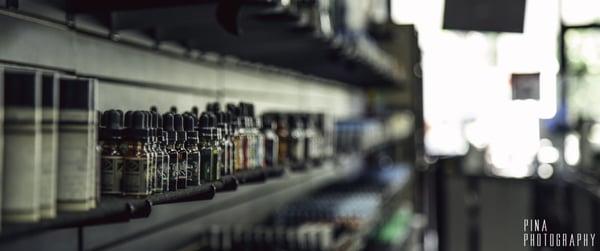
(271, 141)
(191, 144)
(136, 171)
(182, 156)
(171, 148)
(296, 141)
(111, 160)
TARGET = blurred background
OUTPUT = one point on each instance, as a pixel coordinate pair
(329, 124)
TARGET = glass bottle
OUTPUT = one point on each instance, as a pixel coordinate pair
(296, 141)
(258, 140)
(310, 147)
(271, 141)
(191, 145)
(111, 160)
(170, 143)
(236, 138)
(136, 170)
(205, 148)
(217, 151)
(152, 154)
(226, 144)
(283, 133)
(182, 156)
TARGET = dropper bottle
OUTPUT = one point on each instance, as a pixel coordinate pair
(136, 171)
(191, 144)
(236, 138)
(259, 148)
(171, 139)
(111, 156)
(183, 153)
(226, 144)
(205, 148)
(162, 149)
(217, 151)
(151, 148)
(160, 155)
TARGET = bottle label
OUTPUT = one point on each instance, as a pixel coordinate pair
(173, 171)
(182, 171)
(205, 165)
(136, 176)
(152, 159)
(270, 153)
(216, 166)
(112, 174)
(158, 174)
(193, 174)
(166, 167)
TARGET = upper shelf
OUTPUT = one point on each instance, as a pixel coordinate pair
(268, 35)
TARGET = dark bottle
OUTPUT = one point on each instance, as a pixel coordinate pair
(296, 141)
(161, 157)
(226, 143)
(182, 152)
(271, 141)
(151, 148)
(205, 148)
(310, 144)
(246, 138)
(209, 148)
(165, 159)
(283, 134)
(236, 138)
(258, 150)
(191, 145)
(136, 170)
(111, 160)
(169, 128)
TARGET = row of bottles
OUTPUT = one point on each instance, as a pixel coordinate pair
(144, 152)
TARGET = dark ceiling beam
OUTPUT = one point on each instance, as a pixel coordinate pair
(199, 15)
(98, 6)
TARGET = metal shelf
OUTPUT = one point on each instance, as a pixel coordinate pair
(268, 36)
(249, 203)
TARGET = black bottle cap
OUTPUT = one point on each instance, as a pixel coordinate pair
(153, 109)
(195, 111)
(268, 121)
(293, 121)
(320, 121)
(233, 109)
(205, 124)
(221, 118)
(214, 107)
(128, 119)
(112, 125)
(169, 127)
(159, 127)
(251, 110)
(204, 120)
(138, 129)
(154, 125)
(178, 122)
(173, 109)
(189, 123)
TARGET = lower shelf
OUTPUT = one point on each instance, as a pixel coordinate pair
(114, 209)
